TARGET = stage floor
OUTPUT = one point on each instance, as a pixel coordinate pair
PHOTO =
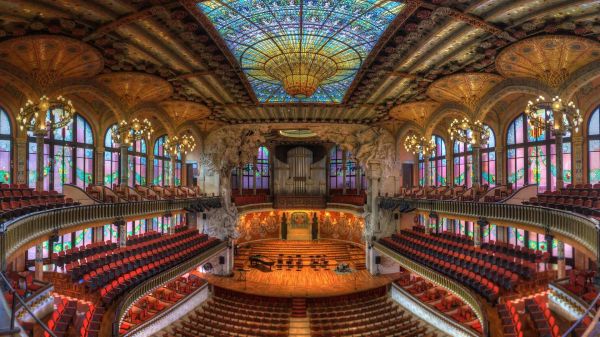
(304, 283)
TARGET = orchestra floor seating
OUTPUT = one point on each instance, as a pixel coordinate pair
(321, 254)
(19, 199)
(368, 313)
(230, 313)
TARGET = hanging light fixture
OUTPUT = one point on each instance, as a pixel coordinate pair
(561, 117)
(177, 145)
(469, 132)
(46, 115)
(419, 145)
(129, 132)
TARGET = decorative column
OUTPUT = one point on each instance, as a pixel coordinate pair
(240, 179)
(99, 165)
(426, 224)
(172, 173)
(476, 165)
(375, 176)
(426, 172)
(558, 138)
(123, 165)
(21, 160)
(229, 258)
(577, 153)
(254, 170)
(358, 179)
(184, 168)
(500, 168)
(150, 168)
(122, 230)
(39, 262)
(561, 262)
(39, 149)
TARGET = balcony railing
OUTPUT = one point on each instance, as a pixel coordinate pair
(155, 282)
(573, 226)
(20, 231)
(441, 280)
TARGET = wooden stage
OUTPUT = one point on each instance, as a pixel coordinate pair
(303, 283)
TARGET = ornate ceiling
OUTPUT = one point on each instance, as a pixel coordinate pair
(180, 53)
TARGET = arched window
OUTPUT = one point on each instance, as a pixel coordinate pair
(437, 164)
(528, 152)
(137, 163)
(250, 174)
(111, 158)
(262, 169)
(68, 155)
(162, 163)
(336, 171)
(594, 147)
(463, 162)
(5, 148)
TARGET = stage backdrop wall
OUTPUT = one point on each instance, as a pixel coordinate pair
(332, 225)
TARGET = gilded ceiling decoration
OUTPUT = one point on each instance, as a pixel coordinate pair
(464, 88)
(50, 58)
(417, 112)
(183, 111)
(550, 58)
(135, 88)
(300, 51)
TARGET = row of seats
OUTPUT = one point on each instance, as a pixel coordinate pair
(141, 273)
(76, 253)
(470, 254)
(510, 320)
(542, 318)
(369, 313)
(106, 273)
(15, 208)
(482, 285)
(91, 322)
(79, 268)
(62, 318)
(159, 300)
(230, 313)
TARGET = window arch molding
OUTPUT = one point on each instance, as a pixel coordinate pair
(6, 147)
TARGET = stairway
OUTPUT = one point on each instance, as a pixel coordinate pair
(299, 327)
(299, 307)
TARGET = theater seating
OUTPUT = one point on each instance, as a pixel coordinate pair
(368, 313)
(580, 198)
(62, 317)
(543, 320)
(510, 320)
(229, 313)
(17, 200)
(90, 326)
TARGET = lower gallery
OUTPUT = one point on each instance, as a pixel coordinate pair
(325, 168)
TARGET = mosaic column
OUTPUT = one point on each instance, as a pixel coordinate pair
(561, 262)
(99, 165)
(39, 145)
(375, 176)
(39, 262)
(122, 230)
(21, 166)
(558, 138)
(173, 164)
(577, 153)
(500, 168)
(124, 165)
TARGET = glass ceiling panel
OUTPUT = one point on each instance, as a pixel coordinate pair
(299, 50)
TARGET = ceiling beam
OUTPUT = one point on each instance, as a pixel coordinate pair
(124, 20)
(191, 75)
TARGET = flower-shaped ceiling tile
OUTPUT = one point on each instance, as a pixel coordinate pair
(183, 111)
(549, 58)
(305, 32)
(464, 88)
(51, 58)
(418, 112)
(135, 88)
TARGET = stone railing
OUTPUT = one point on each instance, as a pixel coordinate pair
(440, 280)
(18, 232)
(575, 227)
(566, 302)
(156, 282)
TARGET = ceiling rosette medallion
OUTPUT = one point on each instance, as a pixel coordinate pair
(466, 89)
(550, 59)
(417, 112)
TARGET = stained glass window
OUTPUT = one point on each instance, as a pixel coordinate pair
(531, 155)
(68, 155)
(437, 164)
(136, 159)
(251, 173)
(5, 148)
(335, 36)
(488, 160)
(337, 168)
(111, 158)
(162, 163)
(463, 164)
(594, 147)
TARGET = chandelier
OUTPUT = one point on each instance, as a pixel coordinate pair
(301, 72)
(46, 115)
(560, 117)
(468, 132)
(419, 145)
(129, 132)
(177, 145)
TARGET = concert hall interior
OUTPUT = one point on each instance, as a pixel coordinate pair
(324, 168)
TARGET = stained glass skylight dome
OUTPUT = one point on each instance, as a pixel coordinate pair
(300, 50)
